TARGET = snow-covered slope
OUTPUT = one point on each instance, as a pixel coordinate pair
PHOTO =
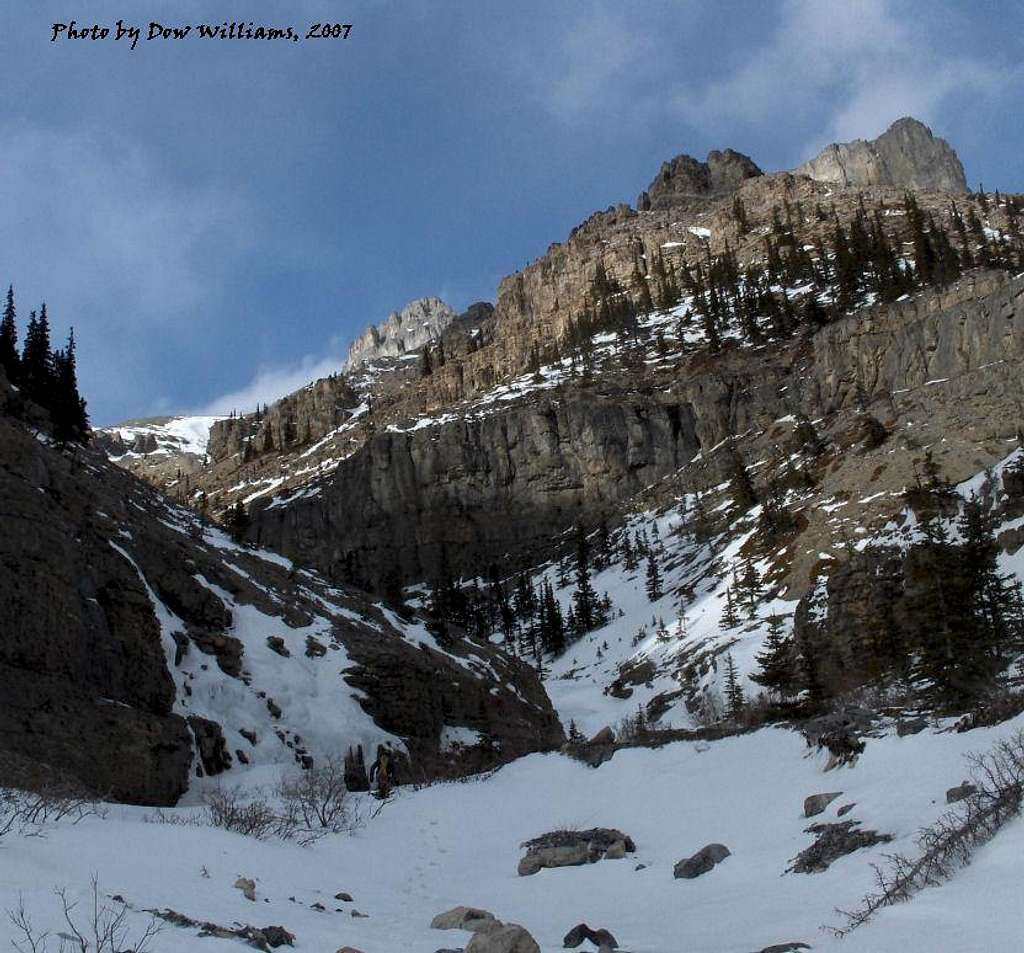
(431, 849)
(161, 435)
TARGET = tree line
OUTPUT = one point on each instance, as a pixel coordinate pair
(45, 376)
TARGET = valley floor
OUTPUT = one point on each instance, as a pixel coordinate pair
(458, 843)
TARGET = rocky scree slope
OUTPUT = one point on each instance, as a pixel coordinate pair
(141, 647)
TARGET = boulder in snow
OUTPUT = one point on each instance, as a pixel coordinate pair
(247, 886)
(573, 848)
(960, 792)
(817, 803)
(509, 938)
(701, 862)
(466, 918)
(601, 938)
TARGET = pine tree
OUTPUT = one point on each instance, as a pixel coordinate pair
(733, 690)
(554, 626)
(238, 521)
(740, 484)
(584, 598)
(628, 552)
(729, 618)
(37, 359)
(653, 584)
(9, 358)
(777, 660)
(67, 408)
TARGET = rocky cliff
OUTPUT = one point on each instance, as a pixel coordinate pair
(418, 323)
(684, 177)
(140, 647)
(497, 489)
(906, 155)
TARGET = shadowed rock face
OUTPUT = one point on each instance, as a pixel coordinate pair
(86, 684)
(906, 155)
(684, 177)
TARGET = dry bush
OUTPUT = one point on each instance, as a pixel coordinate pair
(102, 928)
(255, 817)
(28, 812)
(302, 808)
(316, 802)
(948, 844)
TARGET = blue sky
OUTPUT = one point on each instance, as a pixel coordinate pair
(219, 219)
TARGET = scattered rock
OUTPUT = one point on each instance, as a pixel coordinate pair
(344, 897)
(314, 649)
(360, 916)
(318, 906)
(960, 792)
(784, 948)
(701, 862)
(464, 918)
(845, 809)
(604, 737)
(276, 644)
(834, 841)
(210, 743)
(261, 938)
(510, 938)
(568, 856)
(348, 949)
(910, 726)
(572, 848)
(616, 852)
(278, 936)
(817, 803)
(601, 938)
(247, 886)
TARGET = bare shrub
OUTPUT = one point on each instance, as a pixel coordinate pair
(948, 844)
(252, 817)
(102, 928)
(30, 811)
(316, 802)
(302, 808)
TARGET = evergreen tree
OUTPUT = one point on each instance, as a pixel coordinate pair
(628, 552)
(729, 618)
(778, 661)
(553, 632)
(67, 409)
(37, 359)
(584, 598)
(733, 690)
(653, 583)
(238, 521)
(9, 359)
(740, 484)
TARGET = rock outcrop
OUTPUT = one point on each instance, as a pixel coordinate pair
(418, 323)
(123, 618)
(706, 859)
(906, 155)
(685, 177)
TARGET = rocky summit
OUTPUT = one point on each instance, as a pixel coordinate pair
(906, 155)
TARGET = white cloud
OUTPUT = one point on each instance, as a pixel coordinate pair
(92, 226)
(861, 64)
(271, 383)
